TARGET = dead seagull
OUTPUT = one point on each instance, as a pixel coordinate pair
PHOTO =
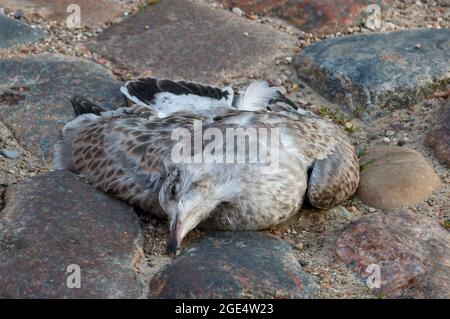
(128, 153)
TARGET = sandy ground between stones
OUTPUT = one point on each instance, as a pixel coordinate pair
(311, 233)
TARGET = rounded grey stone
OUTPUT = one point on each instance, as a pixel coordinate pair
(235, 265)
(53, 224)
(13, 32)
(377, 72)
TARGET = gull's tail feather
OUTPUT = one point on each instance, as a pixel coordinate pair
(144, 90)
(334, 178)
(259, 95)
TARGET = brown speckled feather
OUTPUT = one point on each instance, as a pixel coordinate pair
(124, 155)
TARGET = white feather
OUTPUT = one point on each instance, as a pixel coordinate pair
(257, 96)
(79, 121)
(166, 103)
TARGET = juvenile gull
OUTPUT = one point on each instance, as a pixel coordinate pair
(127, 153)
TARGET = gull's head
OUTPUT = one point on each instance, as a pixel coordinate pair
(188, 197)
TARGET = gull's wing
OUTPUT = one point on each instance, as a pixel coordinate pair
(169, 96)
(145, 90)
(123, 155)
(321, 146)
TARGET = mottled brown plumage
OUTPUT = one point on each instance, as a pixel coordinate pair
(127, 153)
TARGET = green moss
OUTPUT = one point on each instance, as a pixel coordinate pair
(362, 151)
(364, 165)
(358, 111)
(441, 85)
(352, 129)
(335, 116)
(145, 3)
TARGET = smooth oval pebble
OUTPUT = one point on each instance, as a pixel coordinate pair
(395, 176)
(9, 154)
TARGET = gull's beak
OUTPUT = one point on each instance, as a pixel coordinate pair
(174, 237)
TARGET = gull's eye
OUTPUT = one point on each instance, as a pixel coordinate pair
(173, 190)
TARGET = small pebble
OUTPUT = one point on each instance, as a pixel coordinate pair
(299, 246)
(386, 140)
(18, 14)
(101, 61)
(389, 133)
(303, 262)
(403, 141)
(372, 210)
(9, 154)
(398, 126)
(238, 11)
(352, 209)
